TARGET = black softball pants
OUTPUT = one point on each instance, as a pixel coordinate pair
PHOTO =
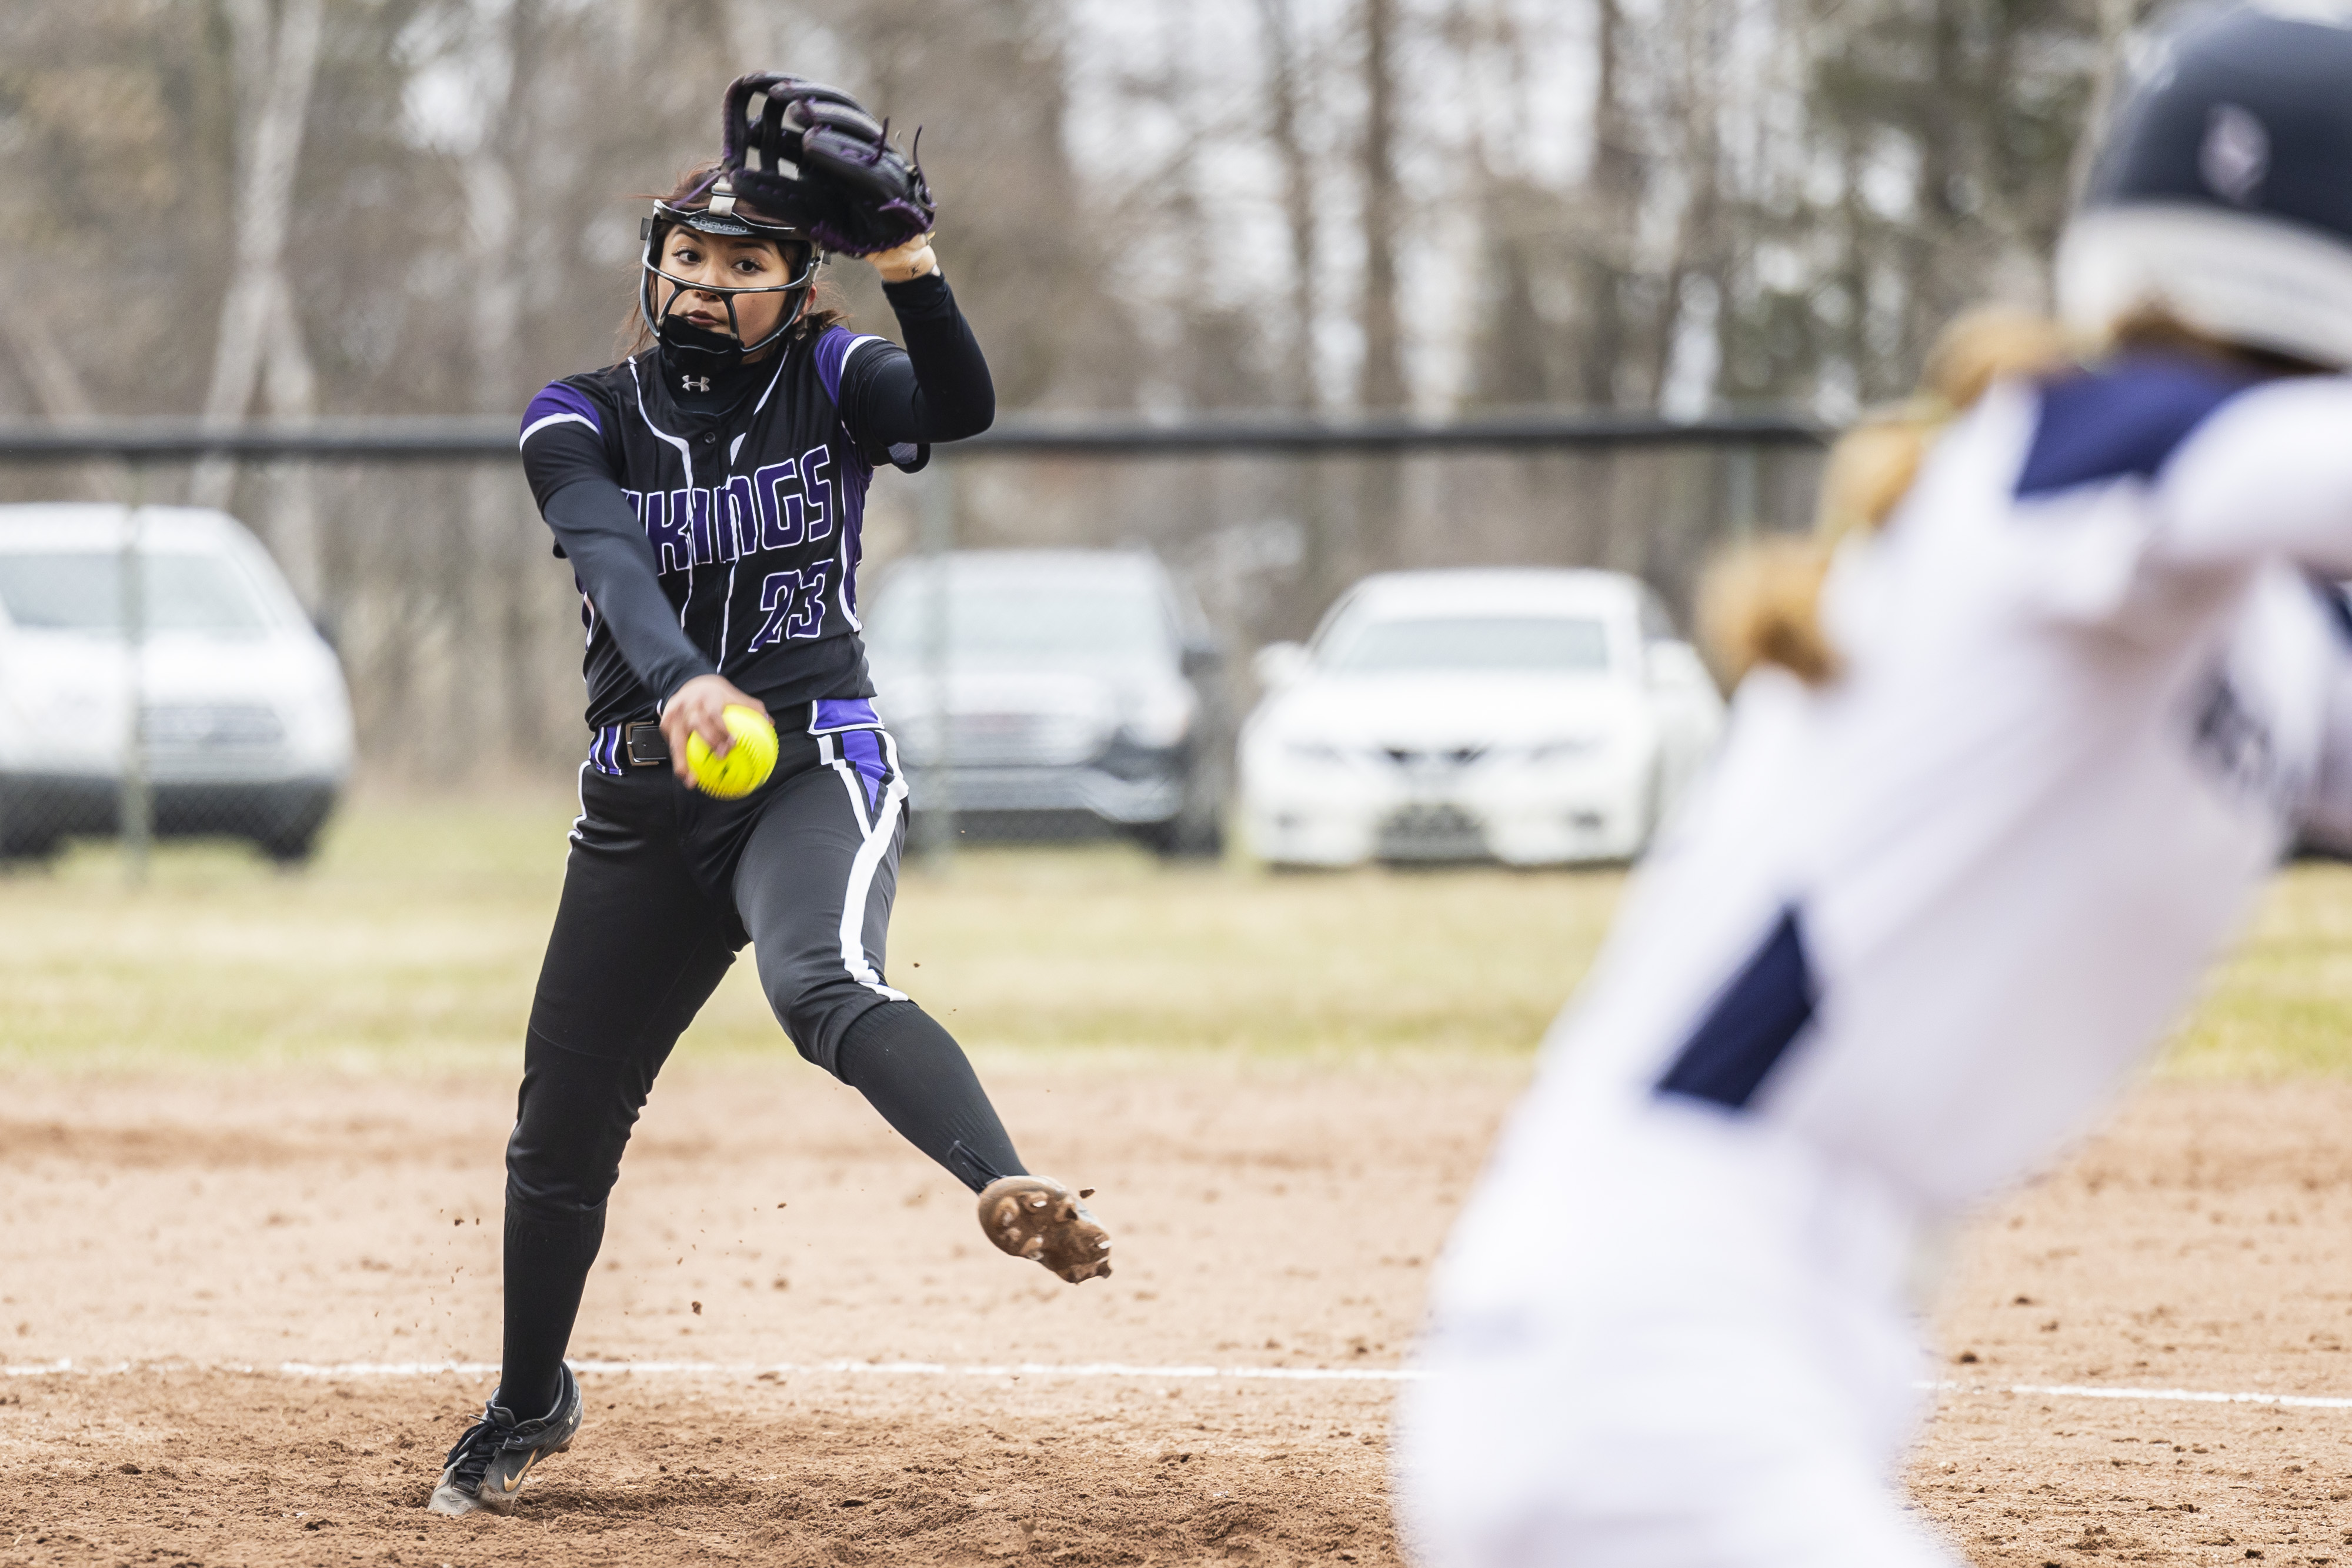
(664, 886)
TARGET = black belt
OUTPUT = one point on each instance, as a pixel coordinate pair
(644, 746)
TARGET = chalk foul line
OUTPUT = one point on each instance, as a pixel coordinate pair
(2147, 1396)
(1105, 1369)
(754, 1370)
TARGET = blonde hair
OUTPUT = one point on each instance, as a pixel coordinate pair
(1761, 602)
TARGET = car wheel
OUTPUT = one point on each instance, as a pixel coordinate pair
(28, 854)
(289, 851)
(1201, 839)
(1182, 837)
(1195, 833)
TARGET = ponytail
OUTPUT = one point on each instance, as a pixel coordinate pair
(1761, 602)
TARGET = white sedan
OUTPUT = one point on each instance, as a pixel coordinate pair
(1534, 716)
(245, 721)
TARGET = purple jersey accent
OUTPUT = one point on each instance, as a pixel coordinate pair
(833, 355)
(604, 751)
(829, 715)
(557, 399)
(864, 750)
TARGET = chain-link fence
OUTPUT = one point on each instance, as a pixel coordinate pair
(388, 608)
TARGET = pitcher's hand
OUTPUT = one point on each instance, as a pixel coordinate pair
(907, 263)
(694, 709)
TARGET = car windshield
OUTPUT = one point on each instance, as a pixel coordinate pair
(1003, 620)
(1449, 644)
(81, 591)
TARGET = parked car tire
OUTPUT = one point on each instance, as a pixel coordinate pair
(1191, 835)
(289, 851)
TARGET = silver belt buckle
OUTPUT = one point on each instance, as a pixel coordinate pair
(645, 746)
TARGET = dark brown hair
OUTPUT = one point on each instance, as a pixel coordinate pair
(824, 308)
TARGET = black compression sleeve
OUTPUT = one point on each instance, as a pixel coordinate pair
(915, 1074)
(614, 562)
(937, 390)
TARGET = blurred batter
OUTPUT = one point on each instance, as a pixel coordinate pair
(2015, 746)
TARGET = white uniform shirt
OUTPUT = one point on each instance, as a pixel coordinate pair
(1927, 916)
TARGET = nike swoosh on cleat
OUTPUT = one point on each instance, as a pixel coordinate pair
(515, 1484)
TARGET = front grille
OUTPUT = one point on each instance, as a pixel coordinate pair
(1431, 833)
(1011, 740)
(1431, 758)
(212, 726)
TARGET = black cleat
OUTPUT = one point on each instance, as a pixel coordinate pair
(487, 1466)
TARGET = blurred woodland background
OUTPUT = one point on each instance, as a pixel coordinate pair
(287, 208)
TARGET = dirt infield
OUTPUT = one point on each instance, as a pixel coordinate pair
(1268, 1217)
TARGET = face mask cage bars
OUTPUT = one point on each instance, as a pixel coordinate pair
(706, 220)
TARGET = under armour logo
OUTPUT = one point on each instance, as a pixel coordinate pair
(695, 383)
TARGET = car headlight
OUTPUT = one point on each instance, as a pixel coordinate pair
(316, 718)
(1162, 718)
(70, 712)
(1566, 748)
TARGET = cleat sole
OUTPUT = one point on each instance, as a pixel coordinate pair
(1036, 1218)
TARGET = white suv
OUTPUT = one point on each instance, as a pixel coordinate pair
(246, 720)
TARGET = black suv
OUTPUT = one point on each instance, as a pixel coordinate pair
(1048, 693)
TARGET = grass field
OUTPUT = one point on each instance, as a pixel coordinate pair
(417, 936)
(419, 929)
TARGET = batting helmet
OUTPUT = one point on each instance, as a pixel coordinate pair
(2223, 194)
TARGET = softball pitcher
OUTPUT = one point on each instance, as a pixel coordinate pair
(708, 491)
(2012, 758)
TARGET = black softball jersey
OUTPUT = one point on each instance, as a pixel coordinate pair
(712, 520)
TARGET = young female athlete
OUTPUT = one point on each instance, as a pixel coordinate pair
(708, 491)
(2016, 763)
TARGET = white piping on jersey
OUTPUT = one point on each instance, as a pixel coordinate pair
(734, 448)
(536, 426)
(765, 391)
(879, 831)
(685, 455)
(727, 604)
(841, 589)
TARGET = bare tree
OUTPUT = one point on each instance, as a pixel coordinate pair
(276, 60)
(56, 383)
(1615, 203)
(260, 329)
(505, 40)
(1381, 381)
(1285, 91)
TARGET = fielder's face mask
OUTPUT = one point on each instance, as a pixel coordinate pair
(706, 351)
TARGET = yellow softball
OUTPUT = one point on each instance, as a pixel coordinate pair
(746, 765)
